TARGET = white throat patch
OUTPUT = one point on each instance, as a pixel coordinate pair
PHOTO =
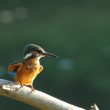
(27, 55)
(30, 54)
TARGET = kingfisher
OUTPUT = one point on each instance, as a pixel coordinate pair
(29, 67)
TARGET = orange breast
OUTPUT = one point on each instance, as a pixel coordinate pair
(26, 74)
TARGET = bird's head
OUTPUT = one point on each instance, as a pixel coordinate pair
(35, 51)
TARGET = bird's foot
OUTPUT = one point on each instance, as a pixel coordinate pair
(21, 86)
(32, 88)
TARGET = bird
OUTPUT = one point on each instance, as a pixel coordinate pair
(29, 67)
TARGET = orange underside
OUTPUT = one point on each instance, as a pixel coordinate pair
(25, 74)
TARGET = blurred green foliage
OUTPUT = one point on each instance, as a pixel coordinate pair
(78, 31)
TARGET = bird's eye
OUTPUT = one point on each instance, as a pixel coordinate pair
(39, 51)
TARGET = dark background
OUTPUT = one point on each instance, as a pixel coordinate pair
(78, 31)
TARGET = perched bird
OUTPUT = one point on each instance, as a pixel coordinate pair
(27, 69)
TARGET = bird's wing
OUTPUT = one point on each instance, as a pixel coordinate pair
(14, 66)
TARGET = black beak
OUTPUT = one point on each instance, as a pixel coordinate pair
(49, 54)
